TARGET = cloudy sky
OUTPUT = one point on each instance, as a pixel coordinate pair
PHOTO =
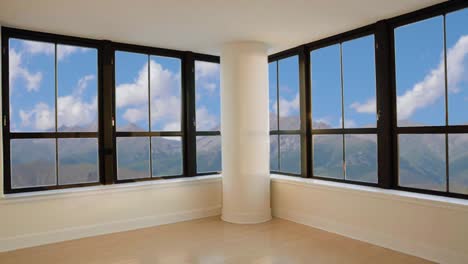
(32, 86)
(32, 89)
(420, 76)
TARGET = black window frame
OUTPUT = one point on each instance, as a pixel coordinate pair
(106, 132)
(387, 130)
(194, 133)
(343, 131)
(147, 51)
(9, 33)
(446, 130)
(301, 132)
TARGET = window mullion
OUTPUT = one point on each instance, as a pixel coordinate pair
(56, 114)
(447, 167)
(305, 101)
(278, 115)
(384, 61)
(188, 88)
(149, 117)
(107, 115)
(342, 112)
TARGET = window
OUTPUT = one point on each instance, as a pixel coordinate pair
(51, 104)
(431, 92)
(80, 112)
(344, 134)
(383, 105)
(148, 116)
(285, 122)
(207, 115)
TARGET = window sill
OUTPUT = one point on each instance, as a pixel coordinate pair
(107, 189)
(374, 192)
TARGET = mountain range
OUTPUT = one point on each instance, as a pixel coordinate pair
(421, 162)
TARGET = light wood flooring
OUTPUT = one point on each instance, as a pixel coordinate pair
(211, 240)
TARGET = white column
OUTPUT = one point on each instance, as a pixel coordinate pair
(245, 133)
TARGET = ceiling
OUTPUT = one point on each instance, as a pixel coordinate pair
(202, 25)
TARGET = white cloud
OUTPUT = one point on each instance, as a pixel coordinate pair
(35, 47)
(174, 126)
(72, 110)
(165, 112)
(63, 51)
(431, 88)
(133, 115)
(210, 87)
(42, 115)
(205, 120)
(287, 107)
(18, 71)
(348, 123)
(83, 83)
(206, 70)
(368, 107)
(165, 96)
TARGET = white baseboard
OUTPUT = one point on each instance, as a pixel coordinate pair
(36, 239)
(425, 251)
(246, 218)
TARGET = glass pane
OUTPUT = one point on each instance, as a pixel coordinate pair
(165, 93)
(274, 153)
(288, 75)
(328, 156)
(422, 161)
(77, 84)
(420, 75)
(359, 83)
(457, 66)
(361, 158)
(290, 154)
(326, 87)
(32, 163)
(458, 163)
(32, 86)
(272, 84)
(131, 91)
(166, 153)
(208, 154)
(78, 160)
(133, 158)
(207, 94)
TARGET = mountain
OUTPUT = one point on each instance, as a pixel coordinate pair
(422, 157)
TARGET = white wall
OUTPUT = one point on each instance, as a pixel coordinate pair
(430, 227)
(69, 214)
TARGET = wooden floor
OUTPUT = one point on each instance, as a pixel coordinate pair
(210, 240)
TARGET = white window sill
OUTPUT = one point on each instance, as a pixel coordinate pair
(374, 192)
(106, 189)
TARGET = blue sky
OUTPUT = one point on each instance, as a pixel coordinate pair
(32, 86)
(419, 71)
(32, 89)
(419, 75)
(207, 96)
